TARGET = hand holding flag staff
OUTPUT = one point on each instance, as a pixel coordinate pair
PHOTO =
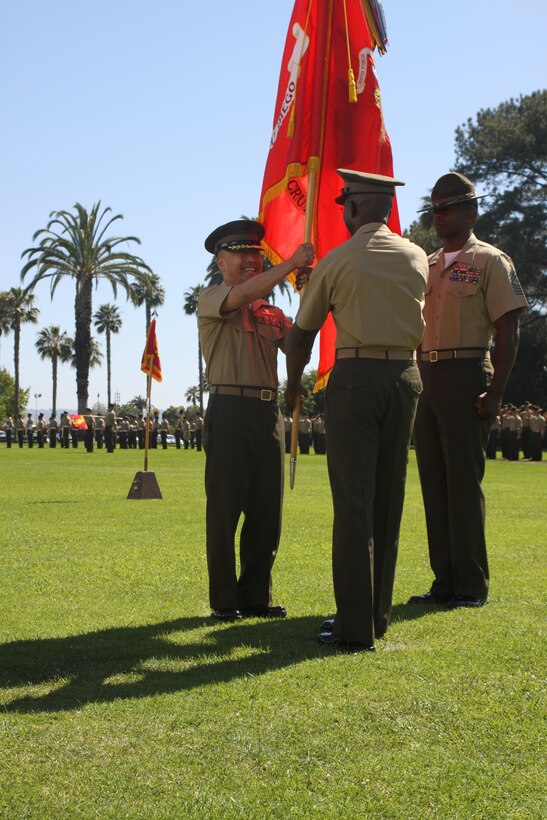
(328, 115)
(145, 484)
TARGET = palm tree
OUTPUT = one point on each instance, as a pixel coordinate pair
(108, 321)
(75, 245)
(192, 395)
(16, 308)
(191, 298)
(148, 291)
(53, 343)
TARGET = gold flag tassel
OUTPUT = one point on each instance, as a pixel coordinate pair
(290, 127)
(352, 87)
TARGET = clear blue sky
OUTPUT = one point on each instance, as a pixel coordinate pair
(163, 111)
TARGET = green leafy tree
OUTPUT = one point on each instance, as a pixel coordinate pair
(76, 245)
(108, 321)
(313, 403)
(54, 344)
(148, 291)
(16, 309)
(191, 298)
(505, 149)
(7, 395)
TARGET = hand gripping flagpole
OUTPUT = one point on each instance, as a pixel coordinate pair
(310, 201)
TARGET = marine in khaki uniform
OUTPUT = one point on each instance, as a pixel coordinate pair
(20, 430)
(41, 430)
(164, 430)
(89, 434)
(537, 430)
(30, 427)
(374, 285)
(53, 428)
(178, 432)
(198, 424)
(304, 434)
(240, 336)
(8, 427)
(123, 433)
(110, 429)
(473, 295)
(64, 425)
(99, 431)
(141, 431)
(514, 433)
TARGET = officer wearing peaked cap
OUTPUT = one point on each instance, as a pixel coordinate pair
(473, 294)
(374, 286)
(240, 335)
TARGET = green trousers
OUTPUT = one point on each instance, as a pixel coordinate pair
(243, 441)
(370, 410)
(450, 444)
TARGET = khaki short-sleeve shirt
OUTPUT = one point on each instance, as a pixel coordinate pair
(466, 298)
(240, 348)
(374, 284)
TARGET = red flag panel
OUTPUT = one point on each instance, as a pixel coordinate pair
(150, 363)
(317, 129)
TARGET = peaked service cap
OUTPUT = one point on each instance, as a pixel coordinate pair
(235, 236)
(359, 182)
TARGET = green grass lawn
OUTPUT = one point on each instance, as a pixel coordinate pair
(119, 697)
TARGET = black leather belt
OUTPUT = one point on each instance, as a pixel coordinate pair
(374, 353)
(432, 356)
(262, 393)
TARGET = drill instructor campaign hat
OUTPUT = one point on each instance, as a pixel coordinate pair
(451, 189)
(359, 182)
(235, 236)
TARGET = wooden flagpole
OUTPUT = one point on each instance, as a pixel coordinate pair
(310, 204)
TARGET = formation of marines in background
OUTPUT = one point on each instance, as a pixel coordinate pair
(515, 431)
(105, 431)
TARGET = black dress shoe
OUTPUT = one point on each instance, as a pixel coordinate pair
(465, 601)
(429, 598)
(263, 611)
(328, 639)
(227, 614)
(327, 625)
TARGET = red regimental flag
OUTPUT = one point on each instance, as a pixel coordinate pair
(150, 363)
(78, 422)
(328, 115)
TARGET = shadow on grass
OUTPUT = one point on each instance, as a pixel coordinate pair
(142, 661)
(135, 662)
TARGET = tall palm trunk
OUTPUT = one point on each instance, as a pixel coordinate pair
(82, 340)
(54, 385)
(108, 369)
(16, 346)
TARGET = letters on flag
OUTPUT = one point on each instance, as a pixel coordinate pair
(150, 363)
(328, 115)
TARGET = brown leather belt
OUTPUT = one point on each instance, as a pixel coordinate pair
(432, 356)
(262, 393)
(374, 353)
